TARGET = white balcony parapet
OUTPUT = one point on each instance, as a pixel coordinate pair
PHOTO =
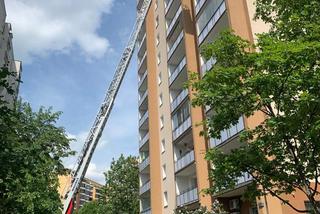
(246, 177)
(141, 79)
(145, 187)
(141, 42)
(177, 70)
(144, 140)
(187, 197)
(140, 62)
(182, 128)
(178, 100)
(184, 161)
(175, 45)
(143, 97)
(174, 20)
(146, 211)
(199, 5)
(208, 65)
(228, 133)
(143, 118)
(212, 22)
(144, 164)
(168, 6)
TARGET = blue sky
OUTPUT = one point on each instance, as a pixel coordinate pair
(69, 51)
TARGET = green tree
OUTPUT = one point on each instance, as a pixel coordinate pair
(281, 80)
(94, 207)
(122, 186)
(31, 148)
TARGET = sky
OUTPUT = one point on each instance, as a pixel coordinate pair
(69, 51)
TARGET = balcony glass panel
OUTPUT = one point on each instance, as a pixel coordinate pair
(244, 179)
(211, 23)
(143, 97)
(177, 70)
(184, 161)
(144, 140)
(228, 133)
(208, 65)
(182, 128)
(174, 21)
(144, 164)
(146, 211)
(178, 100)
(143, 118)
(140, 61)
(142, 78)
(145, 187)
(142, 45)
(189, 196)
(199, 5)
(175, 45)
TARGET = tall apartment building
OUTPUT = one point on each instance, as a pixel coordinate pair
(172, 167)
(7, 56)
(89, 191)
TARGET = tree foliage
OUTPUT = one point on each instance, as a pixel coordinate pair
(31, 148)
(122, 186)
(280, 79)
(94, 207)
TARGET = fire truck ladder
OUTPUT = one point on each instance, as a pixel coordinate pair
(96, 130)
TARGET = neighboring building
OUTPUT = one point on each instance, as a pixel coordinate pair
(173, 170)
(7, 56)
(89, 191)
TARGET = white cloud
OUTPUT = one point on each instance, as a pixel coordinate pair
(95, 173)
(43, 27)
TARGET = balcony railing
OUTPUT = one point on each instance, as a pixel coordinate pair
(145, 187)
(184, 161)
(212, 22)
(143, 118)
(168, 6)
(199, 6)
(146, 211)
(187, 197)
(182, 128)
(208, 65)
(177, 70)
(141, 79)
(144, 164)
(244, 179)
(141, 42)
(140, 62)
(143, 97)
(228, 133)
(179, 99)
(144, 140)
(175, 45)
(174, 20)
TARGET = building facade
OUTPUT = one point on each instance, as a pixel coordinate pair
(89, 191)
(172, 167)
(7, 56)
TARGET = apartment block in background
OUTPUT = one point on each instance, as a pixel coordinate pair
(173, 171)
(89, 191)
(7, 56)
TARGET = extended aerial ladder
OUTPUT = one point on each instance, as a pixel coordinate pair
(96, 130)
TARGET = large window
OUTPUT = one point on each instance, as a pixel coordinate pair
(208, 12)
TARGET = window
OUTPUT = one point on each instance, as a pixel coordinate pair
(157, 21)
(161, 122)
(164, 173)
(159, 78)
(160, 99)
(165, 199)
(159, 58)
(158, 40)
(163, 146)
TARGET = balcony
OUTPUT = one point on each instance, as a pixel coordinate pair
(187, 197)
(144, 164)
(145, 187)
(143, 98)
(177, 70)
(144, 140)
(184, 161)
(212, 22)
(174, 21)
(182, 128)
(228, 134)
(244, 179)
(168, 6)
(141, 61)
(207, 66)
(175, 45)
(199, 5)
(144, 119)
(142, 79)
(142, 45)
(179, 99)
(146, 211)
